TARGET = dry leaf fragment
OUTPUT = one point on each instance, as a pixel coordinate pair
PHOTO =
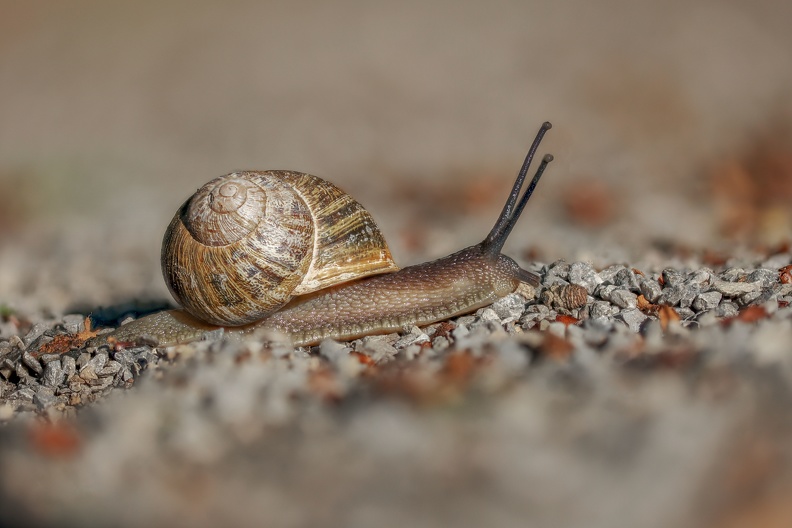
(363, 359)
(324, 383)
(556, 347)
(54, 439)
(645, 306)
(667, 315)
(459, 367)
(444, 329)
(785, 275)
(567, 319)
(749, 314)
(61, 344)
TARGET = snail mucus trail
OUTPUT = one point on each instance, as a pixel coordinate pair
(384, 302)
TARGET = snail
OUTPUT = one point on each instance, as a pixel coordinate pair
(315, 266)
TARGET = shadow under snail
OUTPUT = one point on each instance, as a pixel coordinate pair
(315, 266)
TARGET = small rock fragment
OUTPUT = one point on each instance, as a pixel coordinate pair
(651, 289)
(74, 323)
(735, 289)
(671, 295)
(414, 337)
(726, 309)
(378, 348)
(557, 273)
(765, 277)
(583, 274)
(34, 333)
(601, 309)
(53, 374)
(672, 277)
(633, 318)
(440, 343)
(69, 367)
(624, 298)
(44, 397)
(700, 278)
(32, 363)
(707, 301)
(488, 315)
(509, 308)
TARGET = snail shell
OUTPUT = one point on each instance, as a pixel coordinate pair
(244, 244)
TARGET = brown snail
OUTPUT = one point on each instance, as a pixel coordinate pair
(315, 266)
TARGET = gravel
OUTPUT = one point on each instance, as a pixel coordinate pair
(232, 412)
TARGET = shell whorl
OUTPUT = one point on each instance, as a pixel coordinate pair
(225, 210)
(247, 242)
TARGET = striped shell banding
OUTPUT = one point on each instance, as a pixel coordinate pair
(246, 243)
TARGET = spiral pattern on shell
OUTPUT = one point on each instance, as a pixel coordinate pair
(244, 244)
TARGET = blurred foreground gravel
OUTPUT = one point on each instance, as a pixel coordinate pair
(615, 397)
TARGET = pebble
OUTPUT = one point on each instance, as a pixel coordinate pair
(32, 363)
(440, 343)
(651, 290)
(766, 277)
(700, 278)
(633, 318)
(378, 347)
(44, 397)
(583, 274)
(600, 309)
(74, 323)
(332, 350)
(416, 336)
(69, 367)
(626, 278)
(707, 301)
(34, 333)
(22, 372)
(557, 273)
(672, 277)
(735, 289)
(624, 298)
(688, 296)
(509, 308)
(603, 291)
(671, 295)
(726, 309)
(488, 315)
(110, 368)
(53, 374)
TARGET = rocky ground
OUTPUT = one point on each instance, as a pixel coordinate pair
(647, 397)
(646, 382)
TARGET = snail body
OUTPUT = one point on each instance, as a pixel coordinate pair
(315, 266)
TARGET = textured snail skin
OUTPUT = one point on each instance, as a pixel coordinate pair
(416, 295)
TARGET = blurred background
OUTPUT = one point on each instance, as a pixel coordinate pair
(671, 125)
(672, 137)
